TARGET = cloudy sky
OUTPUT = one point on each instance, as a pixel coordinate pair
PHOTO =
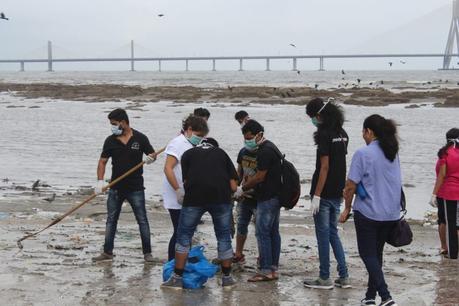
(222, 27)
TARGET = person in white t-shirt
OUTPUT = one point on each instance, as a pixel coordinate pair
(194, 129)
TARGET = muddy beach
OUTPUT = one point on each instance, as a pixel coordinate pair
(371, 95)
(56, 268)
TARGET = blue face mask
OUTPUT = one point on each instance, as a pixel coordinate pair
(194, 140)
(116, 130)
(251, 144)
(315, 121)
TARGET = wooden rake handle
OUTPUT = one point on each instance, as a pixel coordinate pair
(76, 207)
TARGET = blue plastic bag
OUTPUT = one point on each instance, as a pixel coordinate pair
(361, 192)
(197, 269)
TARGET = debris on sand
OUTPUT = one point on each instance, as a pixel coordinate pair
(35, 185)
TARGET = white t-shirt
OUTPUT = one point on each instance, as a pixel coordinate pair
(176, 147)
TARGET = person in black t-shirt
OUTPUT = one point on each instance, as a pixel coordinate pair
(247, 201)
(267, 184)
(209, 179)
(126, 148)
(327, 189)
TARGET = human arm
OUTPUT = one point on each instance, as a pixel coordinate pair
(323, 174)
(348, 195)
(253, 181)
(171, 162)
(100, 175)
(438, 182)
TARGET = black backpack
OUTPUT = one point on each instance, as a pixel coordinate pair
(290, 182)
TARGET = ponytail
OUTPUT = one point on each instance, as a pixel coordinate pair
(452, 139)
(385, 131)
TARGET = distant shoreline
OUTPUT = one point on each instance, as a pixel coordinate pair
(290, 95)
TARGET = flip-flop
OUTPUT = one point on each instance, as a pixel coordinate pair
(260, 278)
(443, 252)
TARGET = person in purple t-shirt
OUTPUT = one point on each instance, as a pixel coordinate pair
(376, 169)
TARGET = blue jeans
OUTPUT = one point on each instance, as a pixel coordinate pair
(175, 216)
(244, 215)
(222, 219)
(114, 202)
(268, 237)
(371, 237)
(326, 221)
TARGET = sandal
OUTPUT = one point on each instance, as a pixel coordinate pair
(260, 278)
(443, 252)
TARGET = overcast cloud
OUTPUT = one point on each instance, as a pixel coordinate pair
(222, 27)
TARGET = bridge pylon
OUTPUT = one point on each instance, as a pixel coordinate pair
(453, 37)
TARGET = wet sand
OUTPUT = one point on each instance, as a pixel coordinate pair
(56, 268)
(296, 95)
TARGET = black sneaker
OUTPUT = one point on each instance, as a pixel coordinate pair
(389, 302)
(174, 282)
(368, 302)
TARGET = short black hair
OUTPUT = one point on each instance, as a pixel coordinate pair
(197, 124)
(201, 112)
(118, 114)
(253, 127)
(240, 115)
(211, 141)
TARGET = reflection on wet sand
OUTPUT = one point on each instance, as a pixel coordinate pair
(447, 289)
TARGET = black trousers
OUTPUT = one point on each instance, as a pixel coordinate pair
(451, 212)
(371, 237)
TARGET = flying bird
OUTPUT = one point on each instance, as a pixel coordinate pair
(293, 45)
(2, 16)
(390, 64)
(160, 15)
(403, 62)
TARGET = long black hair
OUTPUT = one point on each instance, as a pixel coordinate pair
(331, 116)
(385, 131)
(451, 136)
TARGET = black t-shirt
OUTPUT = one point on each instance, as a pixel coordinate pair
(268, 159)
(126, 156)
(206, 173)
(248, 161)
(333, 145)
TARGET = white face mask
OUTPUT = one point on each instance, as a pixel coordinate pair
(116, 130)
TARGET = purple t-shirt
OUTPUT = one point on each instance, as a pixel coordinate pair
(382, 181)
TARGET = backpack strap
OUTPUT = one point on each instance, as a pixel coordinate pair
(276, 150)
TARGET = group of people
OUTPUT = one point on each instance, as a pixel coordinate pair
(200, 177)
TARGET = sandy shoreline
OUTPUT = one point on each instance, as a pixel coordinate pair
(352, 95)
(56, 266)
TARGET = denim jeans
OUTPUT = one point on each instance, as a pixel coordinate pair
(326, 221)
(175, 216)
(244, 215)
(371, 237)
(267, 232)
(221, 217)
(114, 202)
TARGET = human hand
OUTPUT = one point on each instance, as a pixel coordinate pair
(180, 193)
(99, 186)
(239, 192)
(149, 159)
(315, 204)
(345, 215)
(433, 201)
